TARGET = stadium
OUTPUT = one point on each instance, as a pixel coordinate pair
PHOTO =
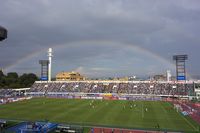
(75, 104)
(99, 66)
(139, 106)
(100, 105)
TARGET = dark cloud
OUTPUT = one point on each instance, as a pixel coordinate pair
(162, 27)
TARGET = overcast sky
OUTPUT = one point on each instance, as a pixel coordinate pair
(100, 38)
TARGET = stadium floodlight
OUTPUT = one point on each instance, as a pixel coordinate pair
(44, 69)
(76, 86)
(114, 86)
(62, 86)
(174, 87)
(151, 86)
(95, 86)
(3, 33)
(46, 86)
(180, 66)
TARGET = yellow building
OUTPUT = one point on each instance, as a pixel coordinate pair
(121, 79)
(160, 77)
(69, 76)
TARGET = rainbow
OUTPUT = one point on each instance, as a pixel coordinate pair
(92, 43)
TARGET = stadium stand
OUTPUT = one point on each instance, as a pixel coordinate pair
(136, 88)
(7, 93)
(32, 127)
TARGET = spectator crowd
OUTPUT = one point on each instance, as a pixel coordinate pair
(119, 88)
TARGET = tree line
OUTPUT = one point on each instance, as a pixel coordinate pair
(13, 80)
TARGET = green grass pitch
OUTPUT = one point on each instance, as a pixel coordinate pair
(124, 114)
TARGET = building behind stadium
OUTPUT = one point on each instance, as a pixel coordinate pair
(69, 76)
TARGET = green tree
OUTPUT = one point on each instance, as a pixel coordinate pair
(12, 75)
(26, 80)
(1, 74)
(12, 80)
(1, 79)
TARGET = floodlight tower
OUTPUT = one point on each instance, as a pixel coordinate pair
(180, 66)
(50, 60)
(44, 69)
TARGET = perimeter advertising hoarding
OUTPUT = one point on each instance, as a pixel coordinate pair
(44, 78)
(181, 78)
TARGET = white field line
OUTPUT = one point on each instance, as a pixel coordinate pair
(142, 110)
(188, 121)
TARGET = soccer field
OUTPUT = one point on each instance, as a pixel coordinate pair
(124, 114)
